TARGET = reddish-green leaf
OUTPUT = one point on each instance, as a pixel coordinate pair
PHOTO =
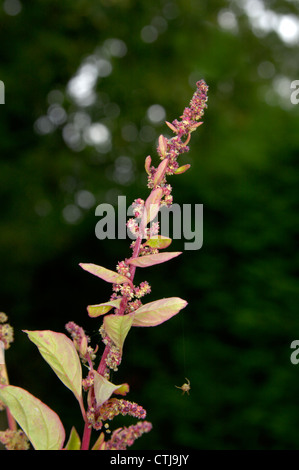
(172, 127)
(74, 442)
(157, 312)
(158, 241)
(147, 164)
(163, 145)
(103, 389)
(60, 353)
(105, 274)
(41, 425)
(150, 260)
(182, 169)
(152, 206)
(101, 309)
(160, 172)
(117, 327)
(100, 443)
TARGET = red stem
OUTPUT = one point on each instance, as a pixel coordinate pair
(10, 420)
(86, 437)
(102, 365)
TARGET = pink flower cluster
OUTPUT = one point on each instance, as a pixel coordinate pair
(133, 224)
(14, 440)
(6, 331)
(81, 340)
(132, 293)
(114, 355)
(125, 437)
(170, 149)
(111, 408)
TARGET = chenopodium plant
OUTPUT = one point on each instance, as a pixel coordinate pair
(96, 394)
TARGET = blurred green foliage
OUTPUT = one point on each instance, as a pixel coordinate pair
(233, 340)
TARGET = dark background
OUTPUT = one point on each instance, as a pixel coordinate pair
(233, 339)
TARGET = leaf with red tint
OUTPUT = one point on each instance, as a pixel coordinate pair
(157, 312)
(117, 327)
(103, 389)
(100, 309)
(74, 442)
(105, 274)
(152, 206)
(182, 169)
(158, 241)
(100, 443)
(147, 164)
(151, 260)
(160, 172)
(163, 145)
(60, 353)
(41, 425)
(172, 127)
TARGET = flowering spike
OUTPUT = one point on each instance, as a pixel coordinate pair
(125, 437)
(125, 299)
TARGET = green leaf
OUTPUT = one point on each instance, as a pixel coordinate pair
(182, 169)
(103, 389)
(157, 312)
(151, 260)
(41, 424)
(105, 274)
(74, 442)
(117, 328)
(101, 309)
(158, 241)
(147, 164)
(61, 355)
(100, 442)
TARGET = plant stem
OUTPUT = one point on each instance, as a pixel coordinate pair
(102, 365)
(135, 255)
(11, 421)
(86, 437)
